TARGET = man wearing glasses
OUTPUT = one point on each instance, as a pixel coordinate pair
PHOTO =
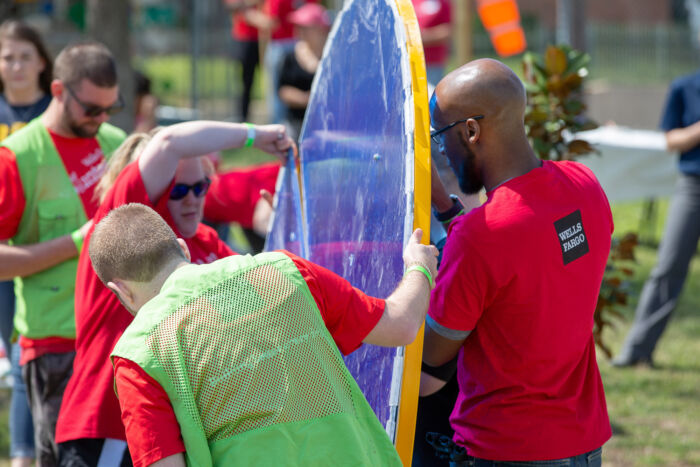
(518, 285)
(48, 171)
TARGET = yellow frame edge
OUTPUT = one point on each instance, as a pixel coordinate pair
(408, 407)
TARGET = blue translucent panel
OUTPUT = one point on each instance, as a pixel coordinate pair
(286, 227)
(356, 150)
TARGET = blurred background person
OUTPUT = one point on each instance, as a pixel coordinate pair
(145, 104)
(246, 48)
(274, 26)
(681, 124)
(25, 79)
(434, 19)
(311, 27)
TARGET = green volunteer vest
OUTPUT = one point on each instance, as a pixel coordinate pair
(253, 374)
(53, 209)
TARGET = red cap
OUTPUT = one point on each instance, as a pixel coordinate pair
(311, 14)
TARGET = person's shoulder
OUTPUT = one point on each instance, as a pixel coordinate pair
(110, 131)
(572, 167)
(683, 82)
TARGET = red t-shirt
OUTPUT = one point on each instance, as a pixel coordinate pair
(240, 29)
(280, 10)
(233, 195)
(84, 163)
(152, 430)
(522, 272)
(431, 13)
(90, 409)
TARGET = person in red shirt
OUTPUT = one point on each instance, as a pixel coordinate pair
(244, 196)
(273, 22)
(246, 44)
(351, 317)
(518, 284)
(48, 171)
(26, 71)
(169, 176)
(434, 19)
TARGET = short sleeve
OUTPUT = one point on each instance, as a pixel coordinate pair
(348, 313)
(152, 430)
(12, 200)
(127, 188)
(672, 116)
(461, 286)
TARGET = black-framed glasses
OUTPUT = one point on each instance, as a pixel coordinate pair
(199, 189)
(434, 134)
(92, 110)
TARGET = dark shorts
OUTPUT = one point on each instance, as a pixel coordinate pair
(46, 378)
(94, 452)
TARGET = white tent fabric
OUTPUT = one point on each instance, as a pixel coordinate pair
(633, 164)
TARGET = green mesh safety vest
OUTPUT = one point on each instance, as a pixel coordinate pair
(53, 209)
(253, 374)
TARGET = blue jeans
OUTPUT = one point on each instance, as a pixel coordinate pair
(592, 459)
(274, 56)
(7, 314)
(21, 428)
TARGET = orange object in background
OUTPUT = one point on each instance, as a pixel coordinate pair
(501, 19)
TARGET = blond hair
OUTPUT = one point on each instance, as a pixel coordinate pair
(126, 153)
(132, 243)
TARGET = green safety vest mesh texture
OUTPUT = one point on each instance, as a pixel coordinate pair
(44, 305)
(253, 374)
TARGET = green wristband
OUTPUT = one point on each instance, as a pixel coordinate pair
(424, 270)
(77, 240)
(250, 140)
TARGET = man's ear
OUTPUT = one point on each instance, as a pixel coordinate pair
(57, 89)
(185, 250)
(473, 131)
(122, 291)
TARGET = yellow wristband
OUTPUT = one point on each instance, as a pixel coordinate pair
(250, 140)
(424, 270)
(77, 240)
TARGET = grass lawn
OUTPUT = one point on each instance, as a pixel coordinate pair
(655, 413)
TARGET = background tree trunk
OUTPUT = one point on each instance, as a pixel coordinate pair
(107, 21)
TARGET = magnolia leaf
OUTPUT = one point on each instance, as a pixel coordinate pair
(572, 82)
(555, 60)
(579, 147)
(577, 61)
(574, 106)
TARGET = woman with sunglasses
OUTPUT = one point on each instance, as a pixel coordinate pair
(25, 78)
(169, 175)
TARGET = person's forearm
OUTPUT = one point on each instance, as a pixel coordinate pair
(294, 97)
(176, 460)
(436, 35)
(26, 260)
(260, 20)
(237, 6)
(404, 312)
(683, 139)
(161, 156)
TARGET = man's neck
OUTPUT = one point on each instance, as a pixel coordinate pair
(515, 160)
(53, 121)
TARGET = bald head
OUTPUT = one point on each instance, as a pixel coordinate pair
(478, 114)
(482, 87)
